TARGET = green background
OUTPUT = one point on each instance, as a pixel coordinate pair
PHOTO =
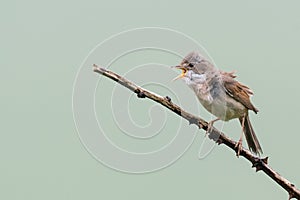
(43, 44)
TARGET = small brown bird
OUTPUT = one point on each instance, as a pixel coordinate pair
(221, 95)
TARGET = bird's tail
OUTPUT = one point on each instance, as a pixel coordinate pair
(251, 138)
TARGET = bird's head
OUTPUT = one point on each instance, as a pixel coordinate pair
(193, 65)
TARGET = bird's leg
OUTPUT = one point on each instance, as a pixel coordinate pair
(239, 144)
(210, 125)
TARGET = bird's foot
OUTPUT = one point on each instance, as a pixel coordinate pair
(239, 147)
(210, 126)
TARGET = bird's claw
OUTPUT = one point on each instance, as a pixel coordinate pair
(209, 128)
(238, 147)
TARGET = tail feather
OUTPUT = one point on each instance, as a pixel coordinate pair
(251, 138)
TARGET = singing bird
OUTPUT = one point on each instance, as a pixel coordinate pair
(220, 94)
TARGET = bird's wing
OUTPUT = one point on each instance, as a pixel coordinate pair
(237, 91)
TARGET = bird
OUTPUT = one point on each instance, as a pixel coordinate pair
(221, 95)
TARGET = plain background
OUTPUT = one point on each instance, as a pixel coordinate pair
(43, 44)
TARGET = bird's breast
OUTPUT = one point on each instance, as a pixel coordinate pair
(218, 102)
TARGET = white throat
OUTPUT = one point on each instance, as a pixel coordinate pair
(191, 78)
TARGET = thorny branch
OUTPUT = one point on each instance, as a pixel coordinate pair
(260, 164)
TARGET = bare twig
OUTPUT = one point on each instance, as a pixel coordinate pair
(260, 164)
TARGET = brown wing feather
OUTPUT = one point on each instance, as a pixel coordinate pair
(238, 91)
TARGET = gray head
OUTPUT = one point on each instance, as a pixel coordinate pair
(193, 58)
(194, 63)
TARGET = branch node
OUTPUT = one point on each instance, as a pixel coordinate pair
(215, 136)
(200, 125)
(219, 141)
(291, 196)
(259, 163)
(139, 93)
(193, 121)
(168, 98)
(265, 160)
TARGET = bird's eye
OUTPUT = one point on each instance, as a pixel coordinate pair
(191, 65)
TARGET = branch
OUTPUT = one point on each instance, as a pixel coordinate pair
(260, 164)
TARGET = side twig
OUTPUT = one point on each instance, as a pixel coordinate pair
(260, 164)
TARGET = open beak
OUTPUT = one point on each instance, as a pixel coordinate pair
(182, 74)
